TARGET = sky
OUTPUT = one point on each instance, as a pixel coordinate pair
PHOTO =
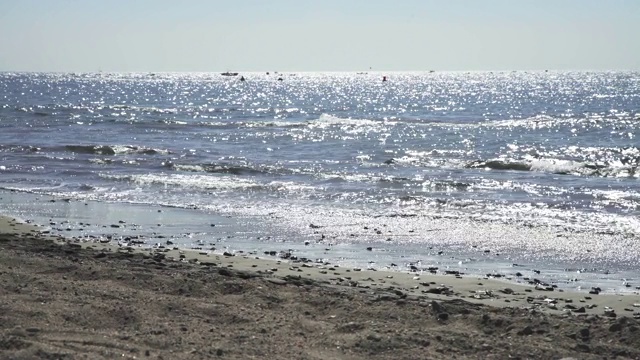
(318, 35)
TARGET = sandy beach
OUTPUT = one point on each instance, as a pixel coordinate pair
(66, 299)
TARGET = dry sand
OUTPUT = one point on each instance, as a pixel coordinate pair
(61, 298)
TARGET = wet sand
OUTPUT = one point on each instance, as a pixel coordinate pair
(63, 298)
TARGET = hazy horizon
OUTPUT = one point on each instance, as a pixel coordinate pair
(364, 71)
(313, 36)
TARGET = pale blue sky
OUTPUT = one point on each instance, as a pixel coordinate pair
(322, 35)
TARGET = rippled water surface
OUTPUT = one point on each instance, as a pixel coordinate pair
(536, 164)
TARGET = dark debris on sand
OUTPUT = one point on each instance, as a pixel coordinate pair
(65, 302)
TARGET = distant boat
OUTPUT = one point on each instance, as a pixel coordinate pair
(227, 73)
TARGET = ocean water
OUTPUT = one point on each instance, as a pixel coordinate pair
(487, 172)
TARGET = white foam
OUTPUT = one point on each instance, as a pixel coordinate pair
(326, 120)
(476, 231)
(210, 182)
(206, 182)
(556, 166)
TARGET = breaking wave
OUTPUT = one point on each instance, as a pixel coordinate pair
(209, 182)
(560, 167)
(217, 168)
(114, 150)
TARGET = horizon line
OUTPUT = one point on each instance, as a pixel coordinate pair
(309, 71)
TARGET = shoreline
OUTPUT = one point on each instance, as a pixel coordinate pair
(502, 291)
(70, 300)
(191, 228)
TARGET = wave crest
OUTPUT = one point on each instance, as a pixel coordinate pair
(114, 150)
(217, 168)
(559, 167)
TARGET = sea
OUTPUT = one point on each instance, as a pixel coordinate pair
(486, 173)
